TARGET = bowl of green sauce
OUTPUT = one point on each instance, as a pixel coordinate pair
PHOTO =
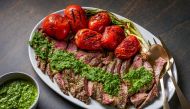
(18, 91)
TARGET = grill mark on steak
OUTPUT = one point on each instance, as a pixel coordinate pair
(117, 66)
(95, 61)
(108, 59)
(60, 80)
(81, 90)
(124, 67)
(99, 92)
(111, 66)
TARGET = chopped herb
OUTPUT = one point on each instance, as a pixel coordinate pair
(41, 45)
(138, 79)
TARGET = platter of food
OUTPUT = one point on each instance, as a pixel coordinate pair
(97, 59)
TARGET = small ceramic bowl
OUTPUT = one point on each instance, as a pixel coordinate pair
(20, 75)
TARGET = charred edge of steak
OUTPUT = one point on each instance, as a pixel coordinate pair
(159, 65)
(61, 83)
(117, 66)
(108, 59)
(97, 91)
(111, 66)
(137, 62)
(138, 98)
(96, 61)
(121, 100)
(124, 67)
(151, 95)
(78, 87)
(41, 64)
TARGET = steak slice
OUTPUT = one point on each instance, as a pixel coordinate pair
(107, 99)
(159, 65)
(41, 64)
(138, 98)
(97, 91)
(124, 67)
(88, 56)
(108, 59)
(61, 45)
(147, 66)
(96, 61)
(151, 95)
(60, 80)
(78, 86)
(122, 99)
(147, 87)
(137, 62)
(117, 66)
(90, 88)
(81, 89)
(71, 47)
(111, 66)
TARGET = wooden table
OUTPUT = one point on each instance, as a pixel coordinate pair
(169, 19)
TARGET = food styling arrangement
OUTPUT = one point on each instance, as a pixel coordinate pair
(95, 59)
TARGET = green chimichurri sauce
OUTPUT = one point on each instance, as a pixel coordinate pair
(41, 45)
(138, 79)
(63, 60)
(17, 94)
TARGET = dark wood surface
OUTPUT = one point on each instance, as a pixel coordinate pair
(169, 19)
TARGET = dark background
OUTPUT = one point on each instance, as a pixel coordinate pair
(169, 19)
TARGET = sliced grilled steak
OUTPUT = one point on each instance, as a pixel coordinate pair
(117, 66)
(96, 61)
(97, 92)
(124, 67)
(62, 45)
(107, 99)
(121, 100)
(148, 66)
(147, 87)
(88, 56)
(138, 98)
(41, 64)
(90, 88)
(108, 59)
(137, 62)
(71, 47)
(61, 83)
(81, 90)
(151, 95)
(159, 64)
(111, 66)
